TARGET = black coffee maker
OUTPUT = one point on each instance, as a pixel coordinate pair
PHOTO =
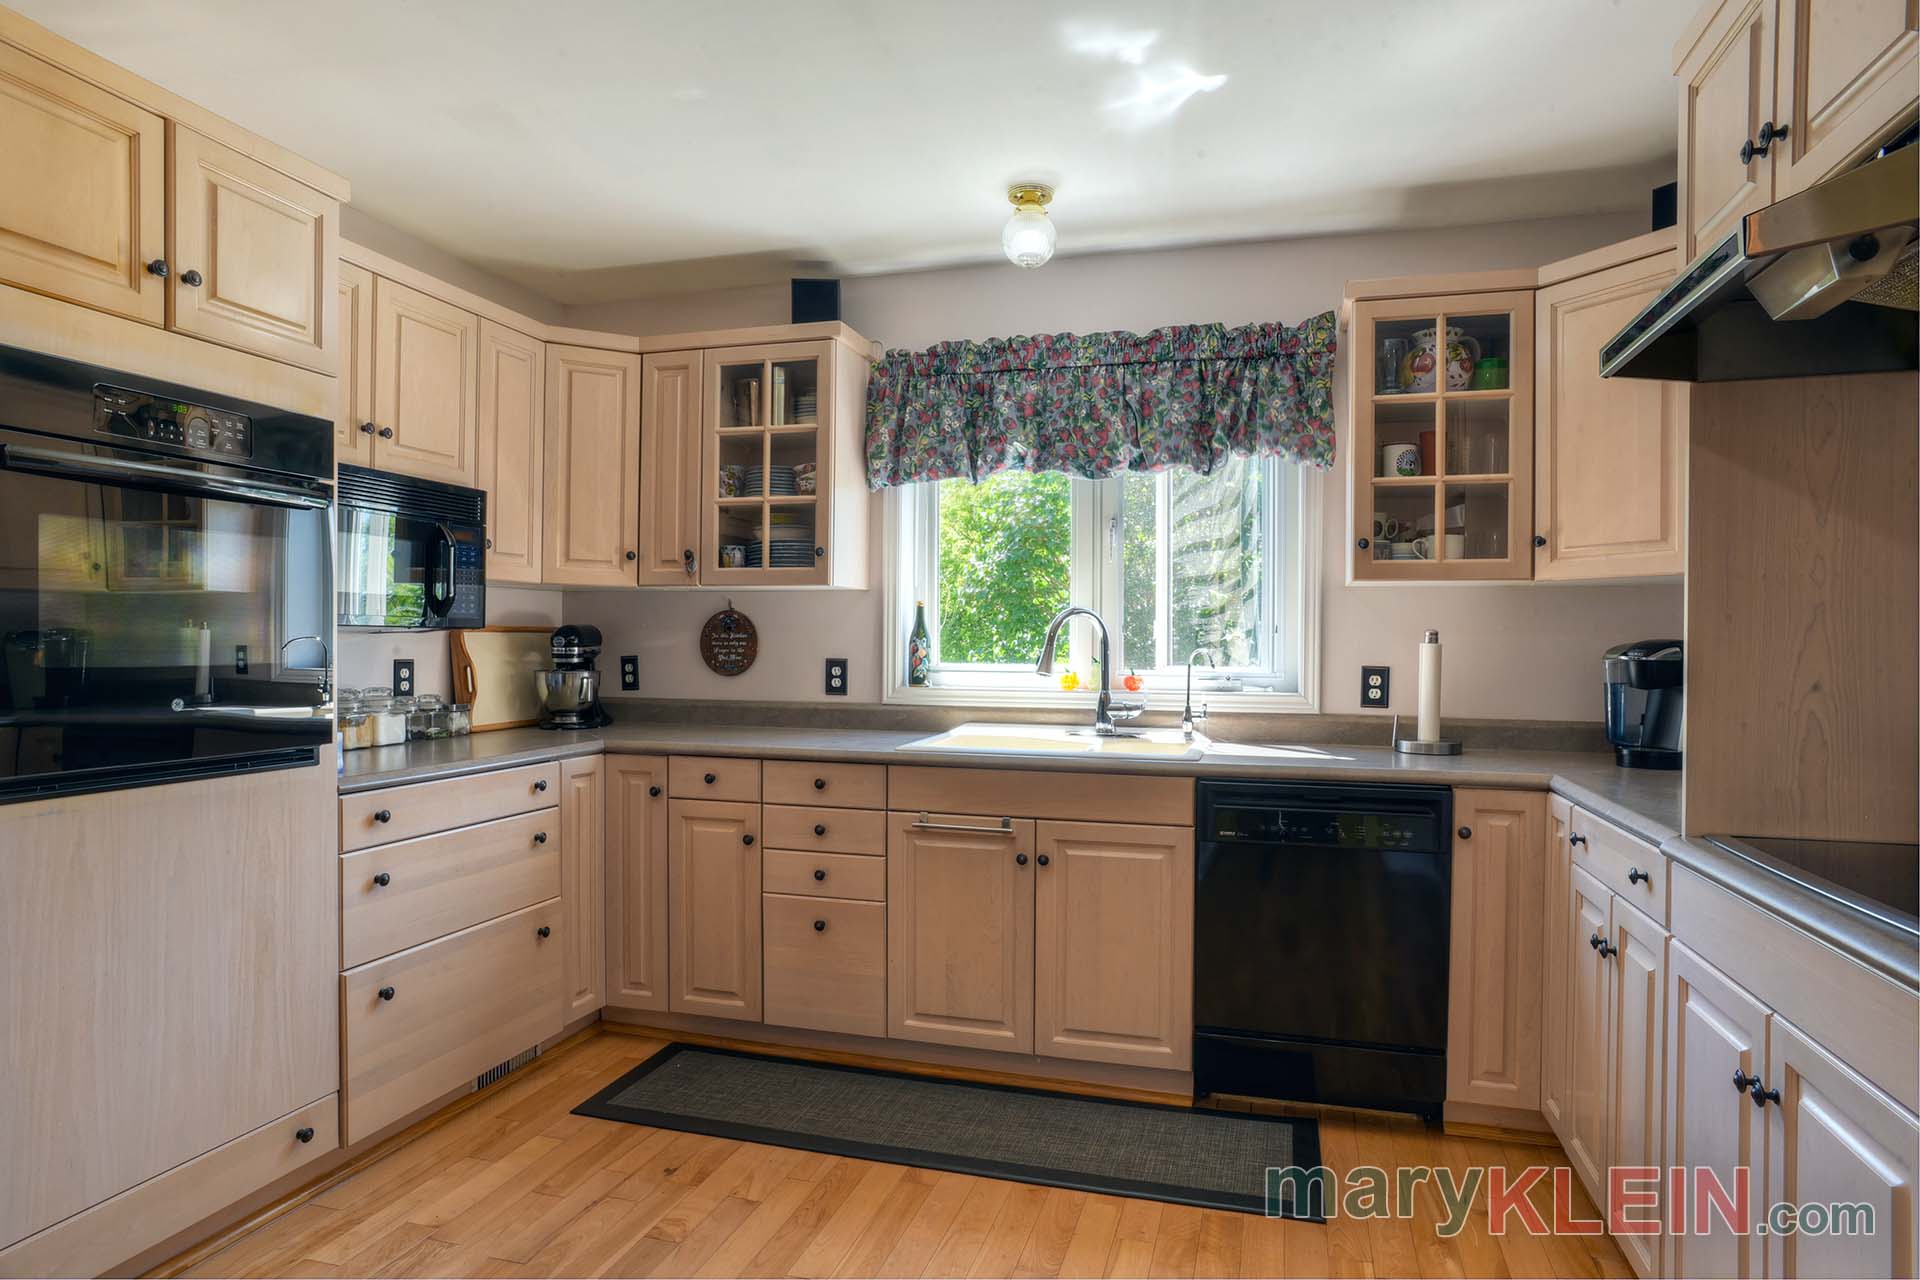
(1646, 698)
(570, 687)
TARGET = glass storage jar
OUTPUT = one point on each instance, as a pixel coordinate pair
(460, 719)
(390, 717)
(429, 718)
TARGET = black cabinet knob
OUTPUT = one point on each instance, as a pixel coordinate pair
(818, 552)
(386, 433)
(1363, 544)
(1769, 131)
(1043, 860)
(1635, 875)
(1539, 539)
(1465, 833)
(383, 879)
(819, 926)
(1020, 859)
(819, 874)
(746, 839)
(540, 784)
(303, 1134)
(1576, 839)
(819, 828)
(654, 792)
(386, 993)
(1763, 1095)
(384, 815)
(366, 428)
(158, 267)
(632, 555)
(489, 544)
(190, 277)
(686, 557)
(1607, 949)
(1742, 1081)
(539, 837)
(710, 779)
(819, 784)
(545, 931)
(1594, 942)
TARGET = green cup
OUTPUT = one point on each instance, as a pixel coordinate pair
(1489, 375)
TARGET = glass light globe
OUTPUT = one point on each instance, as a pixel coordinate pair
(1027, 239)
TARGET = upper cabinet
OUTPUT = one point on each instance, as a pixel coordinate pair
(426, 356)
(1778, 94)
(353, 420)
(592, 503)
(1441, 392)
(111, 206)
(671, 388)
(513, 407)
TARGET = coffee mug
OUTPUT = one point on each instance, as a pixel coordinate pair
(1456, 546)
(1400, 460)
(1385, 527)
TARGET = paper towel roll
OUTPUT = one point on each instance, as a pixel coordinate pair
(1429, 728)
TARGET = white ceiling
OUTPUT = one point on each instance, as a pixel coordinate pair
(595, 149)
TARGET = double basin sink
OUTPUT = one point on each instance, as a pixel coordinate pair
(1063, 740)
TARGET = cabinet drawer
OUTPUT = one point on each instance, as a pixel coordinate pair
(826, 962)
(825, 875)
(830, 830)
(837, 786)
(1630, 867)
(426, 807)
(441, 883)
(458, 1006)
(713, 778)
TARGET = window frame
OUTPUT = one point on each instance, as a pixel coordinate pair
(908, 569)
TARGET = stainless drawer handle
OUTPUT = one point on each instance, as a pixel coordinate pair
(924, 823)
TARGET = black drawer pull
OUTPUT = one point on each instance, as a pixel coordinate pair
(540, 784)
(654, 792)
(539, 837)
(1576, 838)
(303, 1134)
(383, 879)
(819, 874)
(545, 931)
(819, 828)
(711, 779)
(819, 926)
(386, 993)
(384, 815)
(819, 784)
(1635, 875)
(746, 839)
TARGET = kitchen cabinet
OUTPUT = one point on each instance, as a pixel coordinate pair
(1113, 943)
(1554, 1074)
(672, 384)
(1725, 67)
(425, 381)
(512, 447)
(353, 427)
(713, 886)
(82, 191)
(591, 516)
(826, 963)
(960, 930)
(1441, 463)
(1636, 1039)
(254, 254)
(1610, 454)
(636, 882)
(1589, 992)
(582, 886)
(1494, 970)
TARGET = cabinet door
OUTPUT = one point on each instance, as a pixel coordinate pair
(1726, 93)
(670, 483)
(1113, 943)
(1493, 996)
(266, 250)
(426, 356)
(960, 931)
(583, 857)
(1610, 457)
(1846, 78)
(82, 191)
(713, 887)
(1554, 1075)
(513, 406)
(1716, 1033)
(1834, 1139)
(1589, 991)
(353, 425)
(1636, 1043)
(592, 513)
(636, 882)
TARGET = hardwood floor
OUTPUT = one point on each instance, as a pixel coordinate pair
(516, 1186)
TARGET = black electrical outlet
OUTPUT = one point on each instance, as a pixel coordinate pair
(403, 677)
(1375, 684)
(837, 677)
(239, 659)
(629, 672)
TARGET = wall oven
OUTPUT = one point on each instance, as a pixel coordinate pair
(166, 581)
(412, 552)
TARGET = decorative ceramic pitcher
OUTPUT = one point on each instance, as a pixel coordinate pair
(1416, 367)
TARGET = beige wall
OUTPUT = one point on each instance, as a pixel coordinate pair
(415, 252)
(366, 657)
(1519, 651)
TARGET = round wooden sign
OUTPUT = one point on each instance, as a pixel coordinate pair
(728, 642)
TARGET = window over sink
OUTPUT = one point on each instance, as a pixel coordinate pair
(1172, 561)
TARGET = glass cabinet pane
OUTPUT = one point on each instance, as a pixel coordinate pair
(1402, 514)
(1477, 437)
(1402, 356)
(1479, 353)
(743, 398)
(795, 392)
(1403, 437)
(1477, 524)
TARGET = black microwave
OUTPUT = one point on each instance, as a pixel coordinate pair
(412, 553)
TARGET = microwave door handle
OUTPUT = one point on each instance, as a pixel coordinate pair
(440, 600)
(84, 469)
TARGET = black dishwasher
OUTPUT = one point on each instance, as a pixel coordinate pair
(1320, 943)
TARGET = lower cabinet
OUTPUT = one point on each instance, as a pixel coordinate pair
(826, 963)
(582, 885)
(713, 893)
(1637, 956)
(1589, 988)
(1553, 1011)
(1493, 978)
(636, 882)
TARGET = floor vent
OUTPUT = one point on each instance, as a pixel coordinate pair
(507, 1068)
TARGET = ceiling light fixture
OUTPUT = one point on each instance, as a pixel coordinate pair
(1027, 239)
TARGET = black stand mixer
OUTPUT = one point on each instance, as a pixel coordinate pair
(570, 688)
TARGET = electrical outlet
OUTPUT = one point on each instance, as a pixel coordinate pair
(629, 672)
(403, 677)
(837, 677)
(239, 659)
(1375, 684)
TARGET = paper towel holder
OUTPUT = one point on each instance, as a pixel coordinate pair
(1415, 747)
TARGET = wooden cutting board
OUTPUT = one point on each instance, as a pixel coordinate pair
(493, 668)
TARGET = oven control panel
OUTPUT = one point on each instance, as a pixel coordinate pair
(135, 415)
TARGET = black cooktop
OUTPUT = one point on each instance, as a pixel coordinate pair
(1883, 880)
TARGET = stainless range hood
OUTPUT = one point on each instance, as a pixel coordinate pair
(1821, 282)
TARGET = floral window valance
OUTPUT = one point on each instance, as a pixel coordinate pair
(1103, 404)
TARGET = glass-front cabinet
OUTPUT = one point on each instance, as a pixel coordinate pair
(1441, 459)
